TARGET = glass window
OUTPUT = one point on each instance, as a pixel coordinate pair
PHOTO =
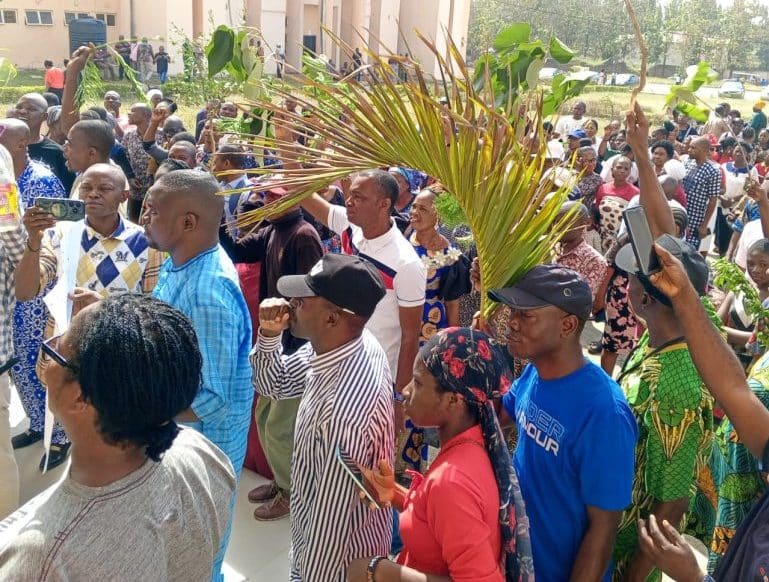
(32, 17)
(8, 16)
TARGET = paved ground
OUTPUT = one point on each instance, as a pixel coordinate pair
(257, 552)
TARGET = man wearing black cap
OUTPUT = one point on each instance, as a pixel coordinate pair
(343, 378)
(671, 404)
(577, 433)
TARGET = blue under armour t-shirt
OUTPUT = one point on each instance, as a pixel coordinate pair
(576, 447)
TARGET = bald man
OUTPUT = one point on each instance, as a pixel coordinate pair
(139, 116)
(32, 109)
(93, 258)
(182, 217)
(702, 185)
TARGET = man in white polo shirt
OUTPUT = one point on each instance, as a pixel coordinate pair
(367, 230)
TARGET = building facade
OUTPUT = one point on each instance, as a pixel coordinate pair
(35, 30)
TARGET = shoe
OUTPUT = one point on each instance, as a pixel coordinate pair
(263, 492)
(275, 509)
(28, 437)
(56, 457)
(594, 348)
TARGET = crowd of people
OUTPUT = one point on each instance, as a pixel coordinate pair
(340, 338)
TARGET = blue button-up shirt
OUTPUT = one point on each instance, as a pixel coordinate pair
(206, 289)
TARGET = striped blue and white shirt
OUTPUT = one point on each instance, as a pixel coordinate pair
(346, 402)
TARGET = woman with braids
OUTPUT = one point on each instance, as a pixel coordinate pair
(143, 499)
(465, 519)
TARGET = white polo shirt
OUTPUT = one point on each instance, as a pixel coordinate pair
(403, 274)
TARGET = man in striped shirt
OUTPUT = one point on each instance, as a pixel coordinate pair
(344, 381)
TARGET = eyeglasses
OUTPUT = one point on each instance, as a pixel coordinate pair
(49, 353)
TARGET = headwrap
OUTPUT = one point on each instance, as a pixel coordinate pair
(470, 364)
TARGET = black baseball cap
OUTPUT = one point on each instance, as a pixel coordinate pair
(694, 264)
(349, 282)
(547, 285)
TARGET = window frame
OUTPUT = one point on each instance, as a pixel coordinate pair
(105, 18)
(38, 14)
(13, 11)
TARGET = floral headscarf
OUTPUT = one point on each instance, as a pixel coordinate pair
(472, 365)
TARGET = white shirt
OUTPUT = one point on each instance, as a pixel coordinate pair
(567, 124)
(750, 234)
(403, 274)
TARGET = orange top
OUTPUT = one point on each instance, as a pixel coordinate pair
(54, 78)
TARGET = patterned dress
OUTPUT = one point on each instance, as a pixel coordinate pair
(732, 484)
(437, 263)
(29, 317)
(675, 419)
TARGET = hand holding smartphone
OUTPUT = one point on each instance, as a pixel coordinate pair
(352, 471)
(62, 208)
(641, 240)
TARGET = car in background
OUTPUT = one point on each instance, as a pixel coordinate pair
(547, 73)
(627, 80)
(732, 88)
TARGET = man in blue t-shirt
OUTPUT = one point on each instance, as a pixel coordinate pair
(577, 434)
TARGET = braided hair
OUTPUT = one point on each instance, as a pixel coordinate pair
(139, 366)
(469, 363)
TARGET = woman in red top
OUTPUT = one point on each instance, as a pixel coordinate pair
(465, 519)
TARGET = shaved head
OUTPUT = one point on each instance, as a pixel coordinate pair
(31, 108)
(114, 173)
(183, 214)
(14, 135)
(173, 125)
(36, 99)
(192, 191)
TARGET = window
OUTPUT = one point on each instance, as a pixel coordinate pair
(109, 19)
(70, 16)
(7, 17)
(39, 17)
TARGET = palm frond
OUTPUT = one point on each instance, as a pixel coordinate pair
(469, 146)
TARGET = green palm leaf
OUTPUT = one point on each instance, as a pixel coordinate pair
(494, 177)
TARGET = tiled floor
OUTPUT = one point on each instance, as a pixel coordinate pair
(258, 551)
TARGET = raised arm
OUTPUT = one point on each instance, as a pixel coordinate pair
(28, 273)
(70, 113)
(652, 198)
(716, 362)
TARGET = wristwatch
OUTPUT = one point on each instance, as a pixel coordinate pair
(371, 569)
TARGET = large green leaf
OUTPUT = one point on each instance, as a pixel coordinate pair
(698, 75)
(532, 73)
(220, 49)
(560, 52)
(511, 36)
(696, 112)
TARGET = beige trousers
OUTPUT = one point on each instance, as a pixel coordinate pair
(9, 472)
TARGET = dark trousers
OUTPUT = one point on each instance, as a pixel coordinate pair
(723, 232)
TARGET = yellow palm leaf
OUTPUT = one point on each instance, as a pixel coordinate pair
(485, 166)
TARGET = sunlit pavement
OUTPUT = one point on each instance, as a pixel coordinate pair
(258, 551)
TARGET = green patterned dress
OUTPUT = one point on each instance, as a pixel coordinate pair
(674, 412)
(732, 484)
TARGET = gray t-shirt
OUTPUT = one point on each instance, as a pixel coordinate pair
(161, 522)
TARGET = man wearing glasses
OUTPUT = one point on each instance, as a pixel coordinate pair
(147, 493)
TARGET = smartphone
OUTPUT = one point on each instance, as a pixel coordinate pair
(354, 473)
(641, 239)
(62, 208)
